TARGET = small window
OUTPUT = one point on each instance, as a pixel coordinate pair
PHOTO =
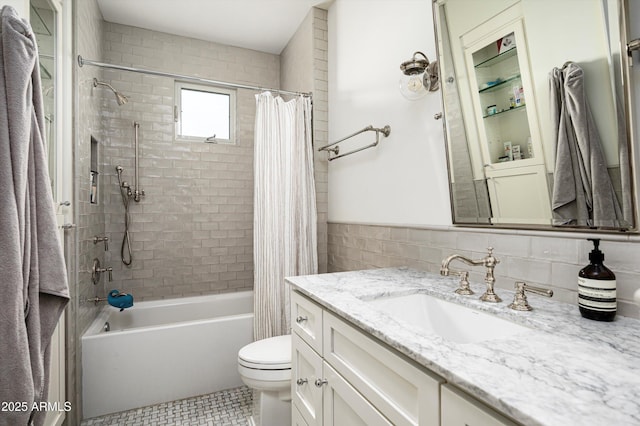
(205, 113)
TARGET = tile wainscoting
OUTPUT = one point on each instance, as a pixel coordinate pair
(545, 259)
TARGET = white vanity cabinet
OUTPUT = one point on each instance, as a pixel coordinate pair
(342, 376)
(322, 397)
(351, 379)
(459, 409)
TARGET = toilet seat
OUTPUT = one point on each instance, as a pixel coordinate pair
(273, 353)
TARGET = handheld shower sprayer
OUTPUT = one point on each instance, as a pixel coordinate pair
(123, 184)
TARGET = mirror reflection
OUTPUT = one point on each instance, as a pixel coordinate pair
(535, 119)
(43, 21)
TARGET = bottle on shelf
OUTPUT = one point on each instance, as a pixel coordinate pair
(516, 88)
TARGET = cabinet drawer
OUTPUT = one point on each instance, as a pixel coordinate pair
(460, 409)
(306, 368)
(402, 392)
(306, 320)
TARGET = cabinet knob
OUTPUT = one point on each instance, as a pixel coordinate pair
(301, 382)
(301, 319)
(437, 116)
(321, 382)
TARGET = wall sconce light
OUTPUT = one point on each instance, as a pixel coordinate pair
(420, 76)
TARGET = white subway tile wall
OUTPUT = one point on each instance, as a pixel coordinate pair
(192, 233)
(550, 260)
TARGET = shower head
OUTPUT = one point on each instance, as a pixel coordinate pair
(120, 98)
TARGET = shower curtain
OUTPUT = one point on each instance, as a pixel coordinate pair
(33, 278)
(284, 224)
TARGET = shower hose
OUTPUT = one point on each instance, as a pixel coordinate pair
(126, 242)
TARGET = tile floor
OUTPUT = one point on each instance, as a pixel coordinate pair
(230, 407)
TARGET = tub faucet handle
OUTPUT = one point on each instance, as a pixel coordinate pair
(105, 239)
(109, 270)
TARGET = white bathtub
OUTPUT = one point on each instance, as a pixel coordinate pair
(164, 350)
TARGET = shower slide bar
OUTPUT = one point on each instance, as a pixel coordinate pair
(386, 130)
(82, 62)
(137, 192)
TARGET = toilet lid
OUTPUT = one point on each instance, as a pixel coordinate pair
(273, 353)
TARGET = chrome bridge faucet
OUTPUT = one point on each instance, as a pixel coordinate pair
(488, 262)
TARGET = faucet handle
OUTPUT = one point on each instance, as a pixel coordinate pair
(464, 288)
(491, 260)
(520, 302)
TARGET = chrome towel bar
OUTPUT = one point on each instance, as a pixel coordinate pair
(386, 130)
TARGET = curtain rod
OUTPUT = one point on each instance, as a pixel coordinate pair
(82, 62)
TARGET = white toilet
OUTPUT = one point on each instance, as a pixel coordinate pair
(265, 366)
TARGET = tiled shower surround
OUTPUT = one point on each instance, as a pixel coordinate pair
(545, 259)
(192, 232)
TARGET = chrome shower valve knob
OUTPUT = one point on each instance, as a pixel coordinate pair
(104, 239)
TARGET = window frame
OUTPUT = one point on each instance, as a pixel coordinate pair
(232, 93)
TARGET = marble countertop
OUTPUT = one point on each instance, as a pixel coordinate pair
(563, 370)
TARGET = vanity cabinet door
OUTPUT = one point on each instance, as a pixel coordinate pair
(459, 409)
(306, 320)
(306, 368)
(405, 394)
(321, 397)
(343, 405)
(297, 419)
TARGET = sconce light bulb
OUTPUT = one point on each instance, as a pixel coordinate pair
(412, 86)
(415, 83)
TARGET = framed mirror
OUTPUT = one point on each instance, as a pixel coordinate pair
(536, 109)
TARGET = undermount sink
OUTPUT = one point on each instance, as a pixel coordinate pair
(448, 320)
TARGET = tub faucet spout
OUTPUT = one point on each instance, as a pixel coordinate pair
(489, 262)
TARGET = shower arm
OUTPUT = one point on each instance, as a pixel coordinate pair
(137, 193)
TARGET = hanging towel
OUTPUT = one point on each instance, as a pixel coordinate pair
(583, 194)
(33, 279)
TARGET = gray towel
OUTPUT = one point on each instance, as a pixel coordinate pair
(582, 191)
(33, 279)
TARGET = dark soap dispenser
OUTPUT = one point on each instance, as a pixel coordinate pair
(597, 288)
